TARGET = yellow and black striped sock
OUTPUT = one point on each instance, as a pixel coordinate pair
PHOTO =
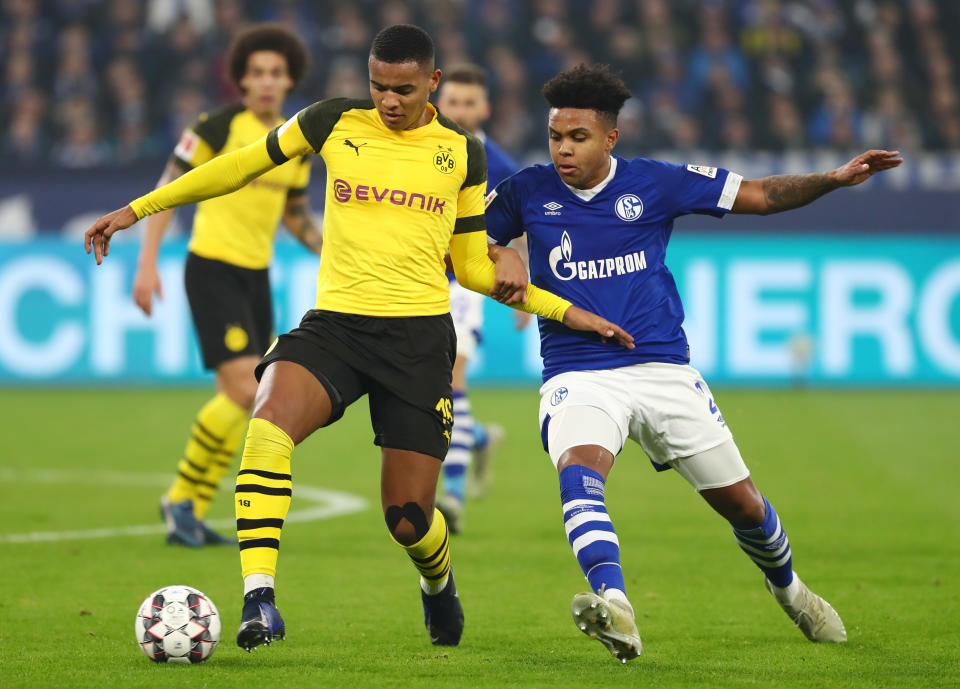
(217, 468)
(431, 555)
(262, 496)
(207, 436)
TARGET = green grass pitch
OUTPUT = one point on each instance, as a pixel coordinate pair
(866, 483)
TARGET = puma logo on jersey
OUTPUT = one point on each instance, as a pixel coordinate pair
(354, 146)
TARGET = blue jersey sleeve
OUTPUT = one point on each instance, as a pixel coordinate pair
(702, 189)
(499, 164)
(503, 216)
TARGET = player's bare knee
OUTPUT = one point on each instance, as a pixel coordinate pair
(243, 393)
(591, 456)
(408, 523)
(740, 504)
(236, 379)
(278, 411)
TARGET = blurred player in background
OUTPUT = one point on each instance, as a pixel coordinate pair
(226, 269)
(463, 97)
(404, 186)
(604, 247)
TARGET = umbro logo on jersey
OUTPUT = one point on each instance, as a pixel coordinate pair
(553, 208)
(355, 147)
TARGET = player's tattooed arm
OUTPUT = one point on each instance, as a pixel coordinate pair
(785, 192)
(299, 220)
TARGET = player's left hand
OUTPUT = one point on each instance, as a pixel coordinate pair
(866, 165)
(510, 277)
(99, 234)
(579, 319)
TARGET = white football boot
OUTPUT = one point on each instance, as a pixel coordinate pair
(611, 622)
(816, 618)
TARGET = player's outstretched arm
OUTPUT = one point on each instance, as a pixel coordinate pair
(784, 192)
(475, 271)
(216, 177)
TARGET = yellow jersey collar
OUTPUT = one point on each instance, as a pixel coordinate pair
(409, 132)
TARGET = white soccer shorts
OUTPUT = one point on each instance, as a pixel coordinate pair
(466, 309)
(667, 408)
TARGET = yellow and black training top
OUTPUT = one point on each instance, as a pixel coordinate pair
(238, 228)
(395, 201)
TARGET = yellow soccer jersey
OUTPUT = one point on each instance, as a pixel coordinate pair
(393, 200)
(238, 228)
(390, 216)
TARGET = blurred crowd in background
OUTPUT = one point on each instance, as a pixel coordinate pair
(94, 82)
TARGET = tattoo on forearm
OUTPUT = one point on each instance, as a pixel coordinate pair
(783, 192)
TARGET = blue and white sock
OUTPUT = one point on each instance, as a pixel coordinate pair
(460, 451)
(589, 529)
(768, 547)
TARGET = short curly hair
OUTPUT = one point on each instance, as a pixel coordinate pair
(590, 87)
(272, 37)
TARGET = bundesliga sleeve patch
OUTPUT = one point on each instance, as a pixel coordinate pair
(187, 145)
(704, 170)
(490, 197)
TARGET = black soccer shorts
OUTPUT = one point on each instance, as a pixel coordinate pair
(231, 309)
(403, 364)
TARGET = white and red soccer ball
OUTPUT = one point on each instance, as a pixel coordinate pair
(177, 624)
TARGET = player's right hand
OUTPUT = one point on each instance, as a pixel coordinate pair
(99, 234)
(578, 319)
(146, 283)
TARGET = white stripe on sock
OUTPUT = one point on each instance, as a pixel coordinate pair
(777, 532)
(776, 563)
(579, 503)
(766, 553)
(461, 435)
(584, 517)
(581, 542)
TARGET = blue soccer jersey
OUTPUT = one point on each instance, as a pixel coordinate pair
(607, 254)
(499, 164)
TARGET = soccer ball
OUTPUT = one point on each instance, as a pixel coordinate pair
(177, 624)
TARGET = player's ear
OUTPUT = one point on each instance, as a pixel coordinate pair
(612, 136)
(435, 80)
